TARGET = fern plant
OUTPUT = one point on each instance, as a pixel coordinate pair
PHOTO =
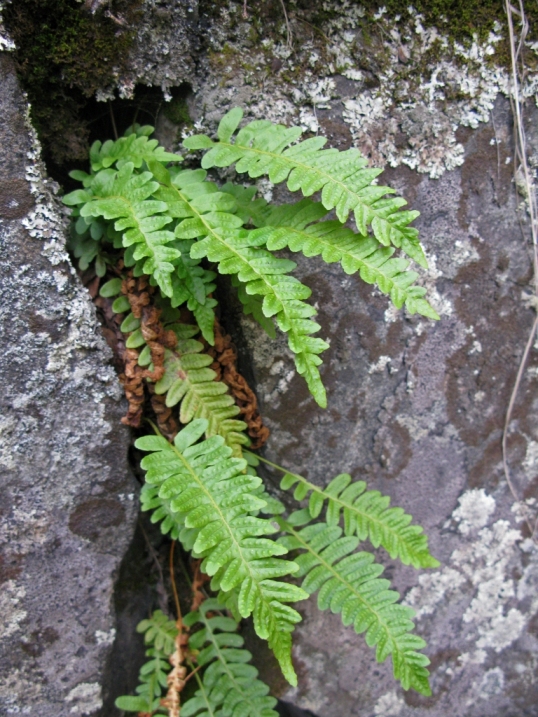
(140, 218)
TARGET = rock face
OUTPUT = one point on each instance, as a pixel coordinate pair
(416, 408)
(68, 500)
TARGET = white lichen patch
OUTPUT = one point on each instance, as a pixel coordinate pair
(87, 698)
(380, 365)
(105, 637)
(389, 705)
(474, 510)
(490, 684)
(479, 574)
(11, 609)
(405, 108)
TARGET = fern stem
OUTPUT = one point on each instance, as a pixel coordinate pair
(173, 581)
(205, 695)
(226, 668)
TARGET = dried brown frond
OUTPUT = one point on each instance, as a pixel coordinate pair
(132, 380)
(167, 423)
(225, 365)
(176, 678)
(198, 581)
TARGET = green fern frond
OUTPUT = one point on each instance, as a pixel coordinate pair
(159, 634)
(230, 685)
(206, 217)
(135, 147)
(159, 631)
(366, 513)
(250, 210)
(345, 181)
(124, 196)
(215, 498)
(348, 583)
(296, 226)
(189, 380)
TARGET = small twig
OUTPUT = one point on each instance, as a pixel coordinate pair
(521, 152)
(498, 159)
(289, 36)
(114, 128)
(245, 13)
(193, 672)
(173, 580)
(508, 417)
(157, 562)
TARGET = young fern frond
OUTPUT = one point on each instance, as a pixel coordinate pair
(134, 147)
(220, 239)
(345, 181)
(366, 514)
(348, 583)
(216, 499)
(159, 631)
(229, 685)
(189, 380)
(296, 226)
(159, 635)
(125, 197)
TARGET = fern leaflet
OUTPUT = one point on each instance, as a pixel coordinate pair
(189, 380)
(296, 226)
(347, 582)
(229, 685)
(159, 634)
(134, 147)
(215, 498)
(250, 210)
(345, 182)
(366, 513)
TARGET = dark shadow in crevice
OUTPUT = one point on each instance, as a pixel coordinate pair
(286, 709)
(134, 599)
(108, 120)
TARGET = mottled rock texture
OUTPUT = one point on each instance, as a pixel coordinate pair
(68, 499)
(416, 408)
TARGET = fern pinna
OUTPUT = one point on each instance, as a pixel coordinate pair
(146, 223)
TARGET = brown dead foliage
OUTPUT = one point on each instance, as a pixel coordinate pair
(139, 293)
(225, 365)
(198, 581)
(176, 677)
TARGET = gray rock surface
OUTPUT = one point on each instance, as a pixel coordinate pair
(68, 500)
(416, 409)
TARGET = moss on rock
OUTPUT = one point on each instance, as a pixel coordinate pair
(64, 55)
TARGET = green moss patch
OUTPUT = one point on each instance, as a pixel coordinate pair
(64, 54)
